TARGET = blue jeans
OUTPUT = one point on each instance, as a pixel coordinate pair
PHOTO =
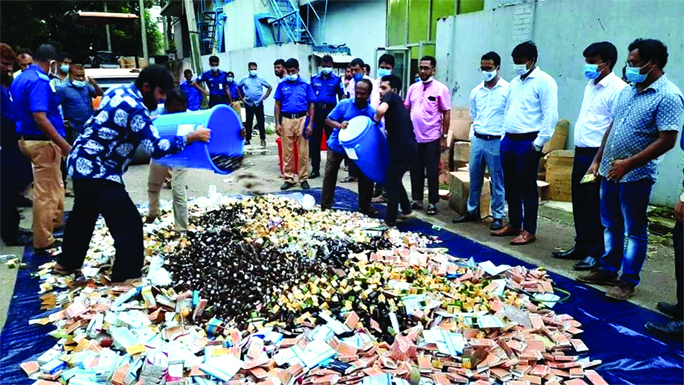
(486, 153)
(520, 162)
(623, 211)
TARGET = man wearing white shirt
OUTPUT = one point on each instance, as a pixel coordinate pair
(487, 107)
(530, 118)
(596, 115)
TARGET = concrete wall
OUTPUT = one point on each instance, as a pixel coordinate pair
(239, 31)
(562, 29)
(359, 24)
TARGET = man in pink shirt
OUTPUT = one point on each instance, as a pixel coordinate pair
(429, 103)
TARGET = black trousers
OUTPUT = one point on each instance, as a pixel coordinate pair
(520, 163)
(11, 185)
(217, 99)
(257, 111)
(428, 158)
(586, 205)
(396, 192)
(110, 199)
(678, 239)
(320, 113)
(332, 167)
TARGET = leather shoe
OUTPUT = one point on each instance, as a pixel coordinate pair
(523, 239)
(497, 224)
(468, 217)
(588, 263)
(506, 231)
(21, 240)
(573, 253)
(305, 185)
(287, 185)
(671, 329)
(673, 311)
(314, 175)
(598, 277)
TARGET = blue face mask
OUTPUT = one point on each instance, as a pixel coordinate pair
(634, 75)
(384, 72)
(64, 68)
(230, 79)
(78, 83)
(591, 71)
(416, 80)
(291, 78)
(326, 70)
(358, 76)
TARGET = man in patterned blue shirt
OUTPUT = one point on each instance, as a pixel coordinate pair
(98, 161)
(648, 116)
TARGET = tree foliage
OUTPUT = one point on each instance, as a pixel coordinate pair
(28, 24)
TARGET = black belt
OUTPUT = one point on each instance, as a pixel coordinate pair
(326, 106)
(586, 150)
(296, 115)
(529, 135)
(488, 137)
(35, 137)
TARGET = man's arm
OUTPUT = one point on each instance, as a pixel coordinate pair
(548, 98)
(98, 90)
(200, 88)
(311, 112)
(381, 111)
(268, 91)
(49, 130)
(664, 143)
(276, 115)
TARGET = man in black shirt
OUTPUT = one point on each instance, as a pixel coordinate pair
(403, 147)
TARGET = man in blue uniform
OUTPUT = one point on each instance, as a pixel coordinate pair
(339, 119)
(252, 88)
(216, 81)
(234, 94)
(41, 130)
(100, 158)
(327, 87)
(75, 97)
(191, 92)
(294, 101)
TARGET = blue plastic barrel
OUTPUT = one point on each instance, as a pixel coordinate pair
(225, 126)
(366, 145)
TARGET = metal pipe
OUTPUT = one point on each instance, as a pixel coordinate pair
(143, 30)
(109, 36)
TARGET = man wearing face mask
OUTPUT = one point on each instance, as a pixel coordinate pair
(216, 81)
(487, 105)
(60, 75)
(357, 67)
(327, 87)
(76, 96)
(596, 115)
(100, 158)
(192, 94)
(530, 119)
(41, 131)
(429, 103)
(279, 69)
(294, 101)
(385, 68)
(252, 89)
(648, 116)
(234, 94)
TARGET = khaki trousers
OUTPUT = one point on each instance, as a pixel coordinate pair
(179, 179)
(238, 108)
(48, 189)
(292, 136)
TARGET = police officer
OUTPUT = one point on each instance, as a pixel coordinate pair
(327, 87)
(216, 81)
(191, 92)
(234, 94)
(41, 131)
(294, 100)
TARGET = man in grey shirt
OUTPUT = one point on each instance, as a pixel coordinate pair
(252, 86)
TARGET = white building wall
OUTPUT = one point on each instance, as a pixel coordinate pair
(239, 31)
(562, 29)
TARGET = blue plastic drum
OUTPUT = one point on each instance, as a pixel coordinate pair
(366, 145)
(226, 142)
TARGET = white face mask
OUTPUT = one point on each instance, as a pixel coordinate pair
(520, 69)
(252, 73)
(428, 80)
(488, 75)
(326, 70)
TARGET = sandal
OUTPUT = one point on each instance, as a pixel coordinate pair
(349, 179)
(431, 210)
(61, 270)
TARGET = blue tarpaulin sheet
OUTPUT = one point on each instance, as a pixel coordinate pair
(613, 331)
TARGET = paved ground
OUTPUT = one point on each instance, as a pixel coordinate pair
(261, 174)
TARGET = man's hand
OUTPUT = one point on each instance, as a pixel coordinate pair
(443, 144)
(66, 149)
(344, 125)
(679, 211)
(309, 131)
(243, 133)
(279, 130)
(593, 169)
(618, 169)
(199, 135)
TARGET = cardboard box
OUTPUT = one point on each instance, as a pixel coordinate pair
(459, 186)
(460, 123)
(559, 137)
(544, 190)
(559, 174)
(461, 151)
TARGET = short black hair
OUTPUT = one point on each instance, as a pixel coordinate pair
(252, 64)
(188, 70)
(357, 62)
(279, 61)
(176, 95)
(46, 53)
(650, 49)
(230, 73)
(527, 50)
(213, 58)
(394, 81)
(493, 56)
(368, 83)
(24, 51)
(386, 58)
(605, 50)
(327, 59)
(155, 76)
(292, 63)
(431, 59)
(65, 55)
(367, 67)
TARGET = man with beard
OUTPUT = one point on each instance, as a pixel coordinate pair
(98, 161)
